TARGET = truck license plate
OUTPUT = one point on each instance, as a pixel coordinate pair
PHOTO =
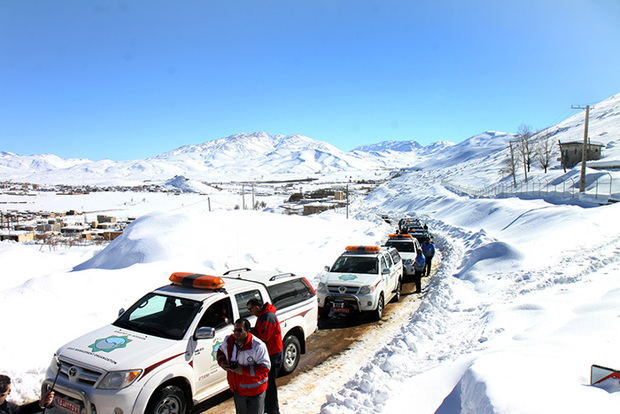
(341, 310)
(67, 405)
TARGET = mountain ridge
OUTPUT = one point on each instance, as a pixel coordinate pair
(260, 155)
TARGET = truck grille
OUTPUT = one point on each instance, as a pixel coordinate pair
(347, 290)
(79, 373)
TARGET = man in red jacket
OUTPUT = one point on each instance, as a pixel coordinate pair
(245, 358)
(268, 330)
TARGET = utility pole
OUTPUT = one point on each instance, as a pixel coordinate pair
(582, 179)
(347, 194)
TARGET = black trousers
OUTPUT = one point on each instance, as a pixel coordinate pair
(271, 395)
(254, 404)
(417, 277)
(427, 266)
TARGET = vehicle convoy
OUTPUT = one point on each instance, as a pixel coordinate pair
(413, 227)
(363, 278)
(407, 247)
(159, 356)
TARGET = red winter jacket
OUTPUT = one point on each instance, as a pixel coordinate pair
(267, 329)
(254, 360)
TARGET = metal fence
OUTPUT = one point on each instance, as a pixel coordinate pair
(600, 190)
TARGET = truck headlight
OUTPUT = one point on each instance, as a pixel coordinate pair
(55, 364)
(364, 290)
(117, 380)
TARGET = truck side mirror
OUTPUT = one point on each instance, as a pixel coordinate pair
(121, 311)
(327, 268)
(204, 332)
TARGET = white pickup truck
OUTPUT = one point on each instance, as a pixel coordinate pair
(363, 278)
(159, 356)
(407, 247)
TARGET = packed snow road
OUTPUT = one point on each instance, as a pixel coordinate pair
(337, 349)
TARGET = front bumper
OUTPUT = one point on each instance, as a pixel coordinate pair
(70, 397)
(348, 303)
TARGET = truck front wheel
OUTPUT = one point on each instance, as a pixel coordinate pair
(378, 313)
(291, 354)
(167, 400)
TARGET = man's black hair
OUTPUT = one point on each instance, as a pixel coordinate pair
(255, 302)
(245, 323)
(4, 383)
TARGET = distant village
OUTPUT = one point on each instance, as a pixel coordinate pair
(74, 227)
(56, 227)
(70, 227)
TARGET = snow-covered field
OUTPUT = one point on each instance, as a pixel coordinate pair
(524, 301)
(526, 297)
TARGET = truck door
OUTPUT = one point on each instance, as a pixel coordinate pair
(207, 372)
(393, 276)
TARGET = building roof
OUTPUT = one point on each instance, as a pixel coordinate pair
(595, 143)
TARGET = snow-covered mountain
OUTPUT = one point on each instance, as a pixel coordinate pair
(384, 146)
(262, 156)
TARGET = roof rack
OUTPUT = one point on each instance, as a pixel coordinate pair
(281, 275)
(243, 269)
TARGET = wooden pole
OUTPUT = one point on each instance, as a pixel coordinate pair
(582, 180)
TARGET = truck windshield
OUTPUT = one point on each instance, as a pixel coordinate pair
(159, 315)
(403, 247)
(356, 264)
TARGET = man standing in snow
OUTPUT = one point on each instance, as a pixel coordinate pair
(245, 358)
(10, 408)
(428, 249)
(418, 267)
(268, 330)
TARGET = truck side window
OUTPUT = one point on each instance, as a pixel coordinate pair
(218, 315)
(242, 302)
(289, 293)
(395, 256)
(384, 264)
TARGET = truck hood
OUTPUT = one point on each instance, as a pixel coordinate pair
(112, 349)
(351, 279)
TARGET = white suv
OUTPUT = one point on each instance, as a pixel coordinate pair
(363, 278)
(160, 355)
(407, 247)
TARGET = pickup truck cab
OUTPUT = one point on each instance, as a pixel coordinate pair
(363, 279)
(159, 356)
(407, 247)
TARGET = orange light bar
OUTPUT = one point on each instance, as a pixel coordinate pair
(400, 236)
(363, 249)
(197, 281)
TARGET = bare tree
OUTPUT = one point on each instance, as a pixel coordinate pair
(526, 149)
(545, 148)
(509, 166)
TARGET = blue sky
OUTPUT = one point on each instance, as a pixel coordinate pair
(132, 79)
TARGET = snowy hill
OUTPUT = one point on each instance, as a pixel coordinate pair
(399, 146)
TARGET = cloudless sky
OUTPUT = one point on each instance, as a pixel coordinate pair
(131, 79)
